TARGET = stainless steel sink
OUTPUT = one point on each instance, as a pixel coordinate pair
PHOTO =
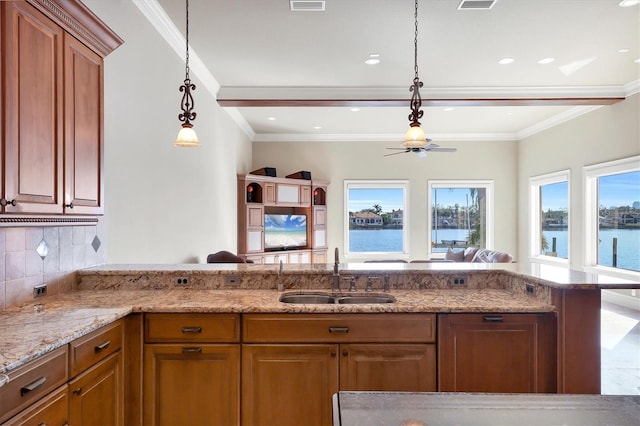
(366, 299)
(322, 298)
(307, 298)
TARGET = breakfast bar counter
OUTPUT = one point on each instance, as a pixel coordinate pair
(435, 409)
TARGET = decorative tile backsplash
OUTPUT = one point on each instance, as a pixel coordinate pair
(32, 256)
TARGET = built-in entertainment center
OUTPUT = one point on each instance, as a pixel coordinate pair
(282, 219)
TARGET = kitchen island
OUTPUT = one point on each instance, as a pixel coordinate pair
(552, 313)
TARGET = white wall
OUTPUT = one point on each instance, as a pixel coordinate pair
(608, 133)
(339, 161)
(163, 204)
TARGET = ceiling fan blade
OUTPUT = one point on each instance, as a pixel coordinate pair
(441, 149)
(395, 153)
(403, 149)
(431, 145)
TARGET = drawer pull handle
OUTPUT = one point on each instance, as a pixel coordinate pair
(192, 330)
(32, 386)
(492, 318)
(338, 329)
(102, 346)
(77, 391)
(191, 350)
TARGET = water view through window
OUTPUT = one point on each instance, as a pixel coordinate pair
(376, 218)
(458, 218)
(619, 220)
(554, 203)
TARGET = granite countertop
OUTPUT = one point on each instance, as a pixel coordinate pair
(26, 334)
(421, 409)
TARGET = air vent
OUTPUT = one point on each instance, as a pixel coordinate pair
(306, 5)
(476, 4)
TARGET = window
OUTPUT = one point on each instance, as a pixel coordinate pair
(376, 218)
(549, 216)
(612, 215)
(461, 214)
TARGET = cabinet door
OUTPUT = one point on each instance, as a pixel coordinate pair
(269, 193)
(84, 186)
(191, 384)
(305, 195)
(96, 396)
(386, 367)
(288, 384)
(319, 256)
(255, 216)
(496, 353)
(32, 54)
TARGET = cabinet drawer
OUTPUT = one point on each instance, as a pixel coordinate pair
(87, 350)
(50, 410)
(29, 383)
(213, 328)
(312, 328)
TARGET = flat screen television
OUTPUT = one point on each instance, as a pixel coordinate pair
(285, 231)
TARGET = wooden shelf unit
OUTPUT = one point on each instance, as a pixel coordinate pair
(259, 195)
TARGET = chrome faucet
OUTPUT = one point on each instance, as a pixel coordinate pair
(336, 272)
(280, 283)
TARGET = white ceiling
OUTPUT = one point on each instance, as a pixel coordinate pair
(257, 50)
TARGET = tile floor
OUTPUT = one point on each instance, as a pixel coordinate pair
(620, 345)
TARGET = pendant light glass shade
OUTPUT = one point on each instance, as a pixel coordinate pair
(414, 138)
(187, 137)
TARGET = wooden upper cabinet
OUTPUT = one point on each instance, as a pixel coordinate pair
(52, 97)
(84, 148)
(32, 54)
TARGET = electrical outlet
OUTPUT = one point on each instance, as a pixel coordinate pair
(231, 281)
(530, 288)
(182, 280)
(459, 280)
(40, 290)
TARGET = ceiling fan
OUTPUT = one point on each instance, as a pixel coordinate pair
(421, 151)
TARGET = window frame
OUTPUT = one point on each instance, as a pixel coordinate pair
(590, 175)
(402, 184)
(487, 185)
(535, 222)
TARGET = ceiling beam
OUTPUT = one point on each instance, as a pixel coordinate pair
(453, 102)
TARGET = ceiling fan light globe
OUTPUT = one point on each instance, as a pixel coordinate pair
(187, 138)
(414, 138)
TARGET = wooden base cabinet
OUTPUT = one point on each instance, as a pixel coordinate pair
(191, 369)
(95, 397)
(391, 368)
(288, 384)
(191, 385)
(292, 364)
(53, 410)
(506, 353)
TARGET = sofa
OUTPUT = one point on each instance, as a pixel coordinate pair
(478, 255)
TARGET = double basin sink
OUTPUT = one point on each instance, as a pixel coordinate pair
(325, 298)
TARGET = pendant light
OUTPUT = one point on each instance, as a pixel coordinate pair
(187, 136)
(415, 138)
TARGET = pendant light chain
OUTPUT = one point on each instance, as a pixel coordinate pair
(415, 41)
(186, 68)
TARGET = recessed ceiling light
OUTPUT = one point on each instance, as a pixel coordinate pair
(623, 50)
(629, 3)
(271, 118)
(544, 61)
(317, 127)
(449, 109)
(354, 109)
(506, 61)
(374, 59)
(637, 61)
